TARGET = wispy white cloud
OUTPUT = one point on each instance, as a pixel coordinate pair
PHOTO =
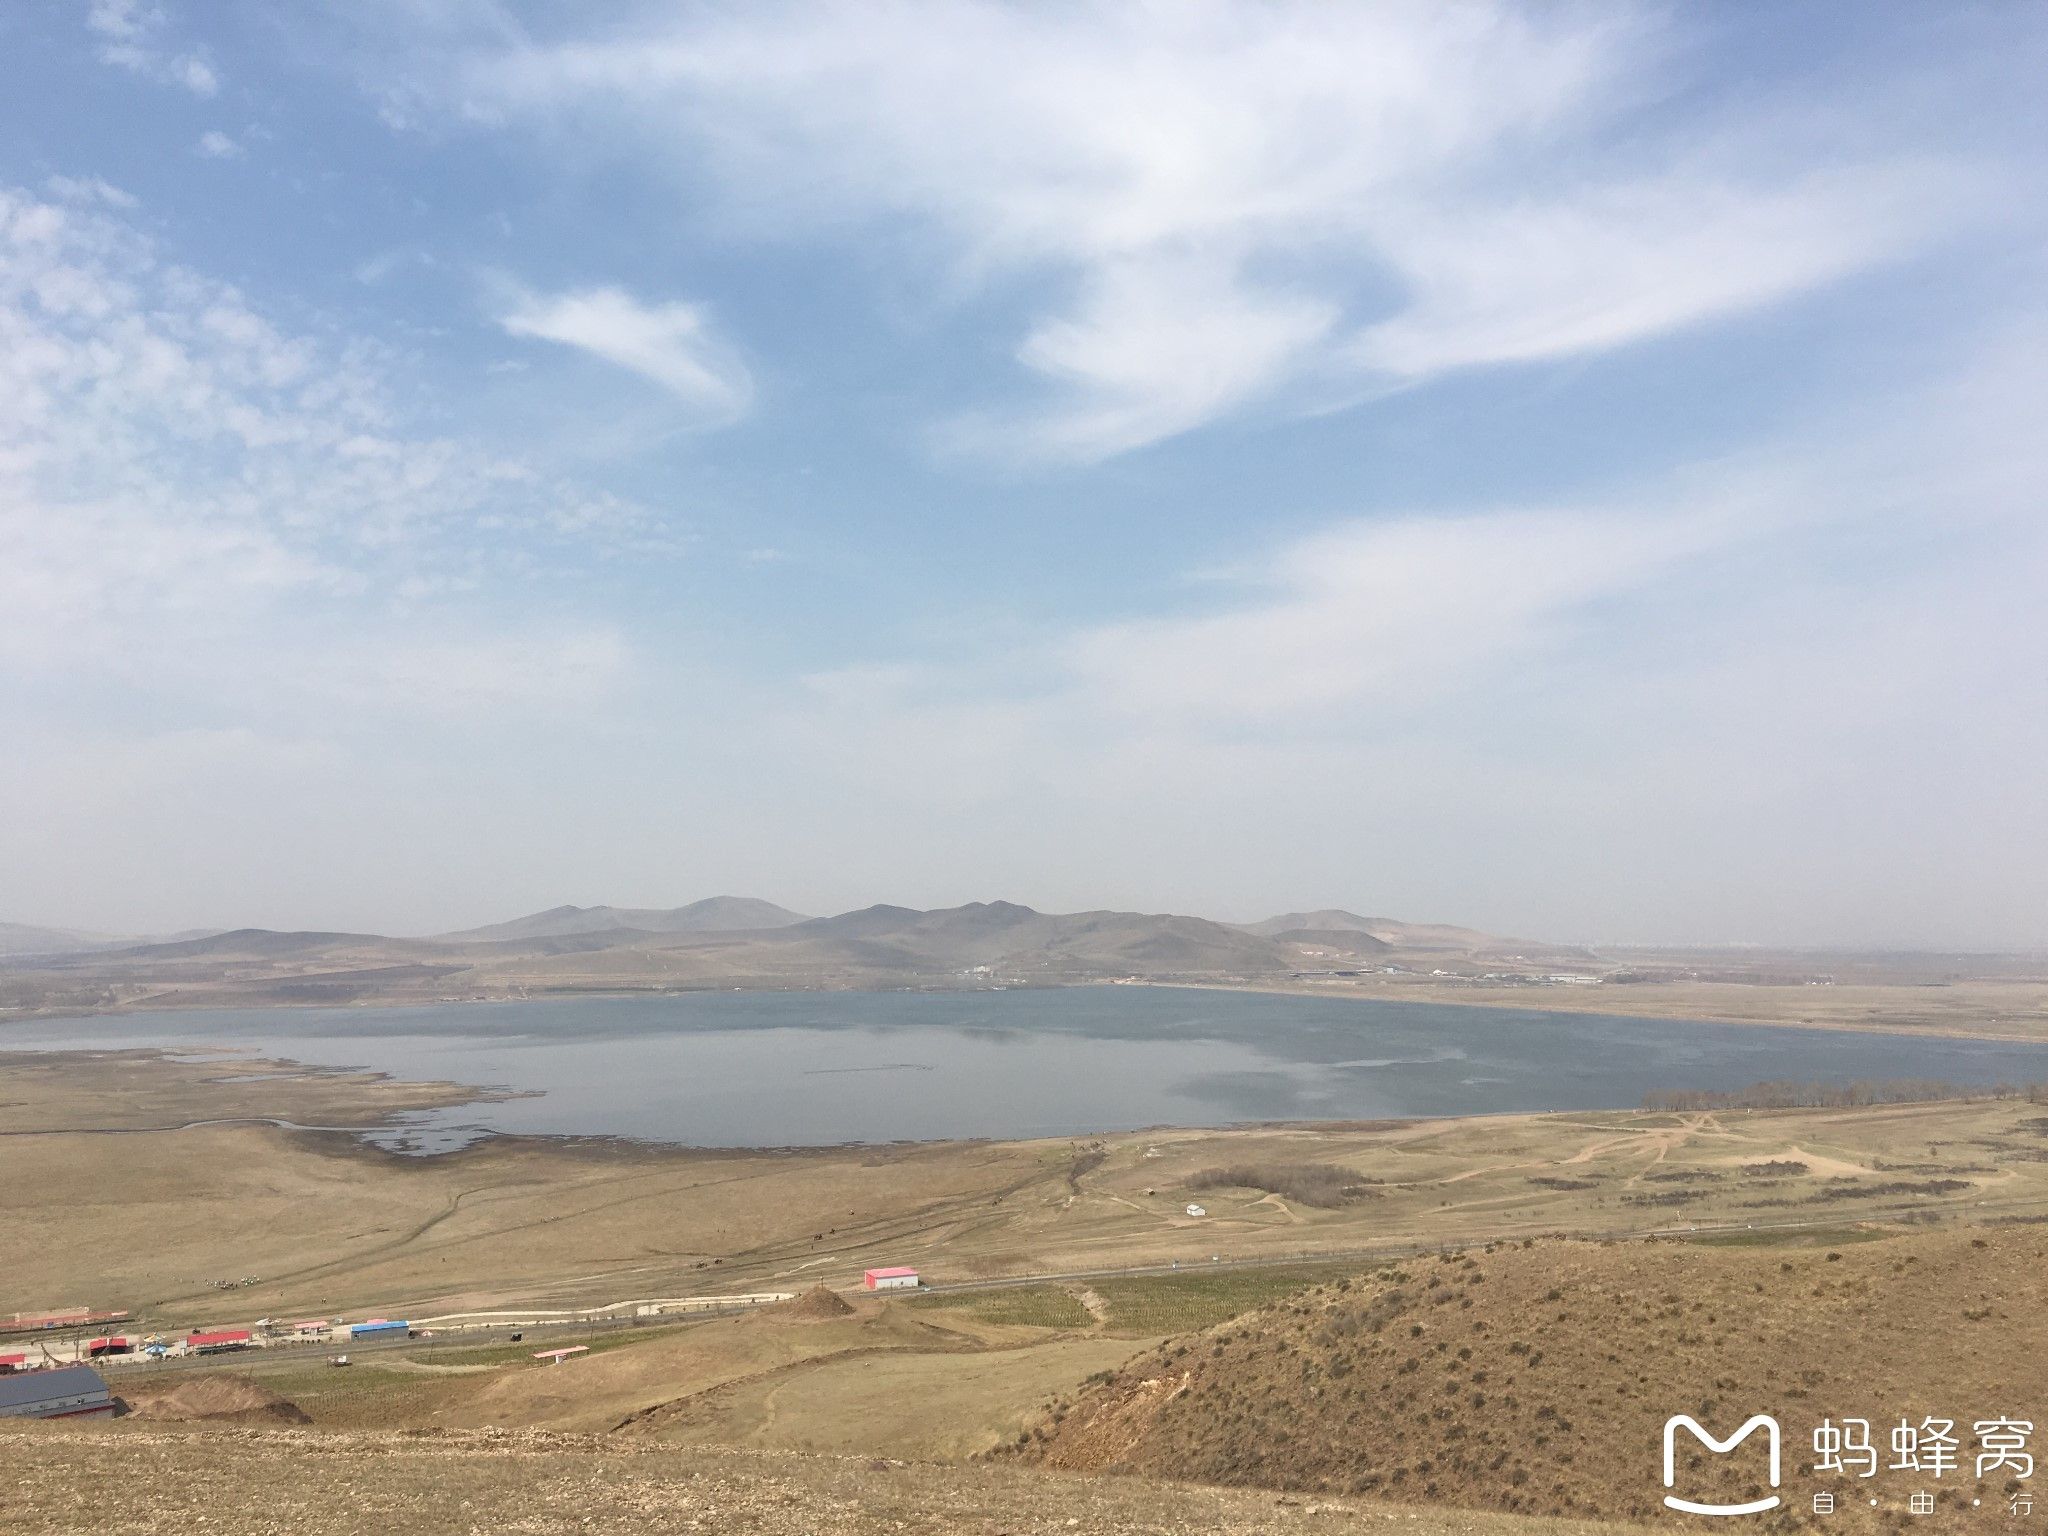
(1811, 675)
(89, 189)
(1215, 207)
(132, 35)
(385, 264)
(195, 499)
(1384, 610)
(1155, 348)
(1332, 634)
(215, 145)
(670, 344)
(1589, 271)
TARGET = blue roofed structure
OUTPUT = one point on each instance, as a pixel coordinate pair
(71, 1391)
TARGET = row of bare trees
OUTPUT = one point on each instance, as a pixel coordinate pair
(1820, 1095)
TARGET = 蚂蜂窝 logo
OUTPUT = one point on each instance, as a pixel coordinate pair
(1761, 1421)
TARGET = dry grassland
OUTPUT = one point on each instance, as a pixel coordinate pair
(1537, 1380)
(150, 1219)
(1493, 1387)
(125, 1479)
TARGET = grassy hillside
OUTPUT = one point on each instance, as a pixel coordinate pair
(1537, 1379)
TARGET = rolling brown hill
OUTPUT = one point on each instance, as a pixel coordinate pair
(28, 939)
(1441, 939)
(1031, 944)
(714, 914)
(600, 949)
(1538, 1379)
(1349, 941)
(1389, 931)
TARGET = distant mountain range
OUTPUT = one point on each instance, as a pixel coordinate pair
(714, 914)
(25, 939)
(1390, 932)
(722, 942)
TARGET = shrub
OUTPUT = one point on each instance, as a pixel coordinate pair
(1323, 1185)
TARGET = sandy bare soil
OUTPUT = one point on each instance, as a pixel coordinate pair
(128, 1480)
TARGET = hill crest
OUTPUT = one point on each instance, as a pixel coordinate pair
(714, 914)
(1536, 1380)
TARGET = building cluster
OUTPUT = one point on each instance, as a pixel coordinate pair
(55, 1378)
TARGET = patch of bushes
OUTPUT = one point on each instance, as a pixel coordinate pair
(1848, 1190)
(1786, 1095)
(1323, 1185)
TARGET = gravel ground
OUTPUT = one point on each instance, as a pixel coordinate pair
(128, 1479)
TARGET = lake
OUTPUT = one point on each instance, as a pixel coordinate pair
(817, 1068)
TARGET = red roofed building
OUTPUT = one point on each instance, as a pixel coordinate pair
(70, 1317)
(217, 1343)
(899, 1278)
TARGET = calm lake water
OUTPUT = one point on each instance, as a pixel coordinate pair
(786, 1069)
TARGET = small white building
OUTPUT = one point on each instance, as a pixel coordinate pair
(1198, 1210)
(898, 1278)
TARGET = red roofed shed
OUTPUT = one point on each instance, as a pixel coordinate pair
(214, 1343)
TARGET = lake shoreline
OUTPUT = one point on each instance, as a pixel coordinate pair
(1644, 1003)
(786, 1069)
(1539, 1000)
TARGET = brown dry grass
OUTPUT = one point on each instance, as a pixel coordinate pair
(1537, 1380)
(882, 1377)
(149, 1220)
(132, 1480)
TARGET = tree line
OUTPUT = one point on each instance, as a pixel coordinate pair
(1825, 1095)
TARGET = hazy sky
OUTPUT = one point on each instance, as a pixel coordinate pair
(1576, 470)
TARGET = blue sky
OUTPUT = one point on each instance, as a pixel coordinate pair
(1574, 470)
